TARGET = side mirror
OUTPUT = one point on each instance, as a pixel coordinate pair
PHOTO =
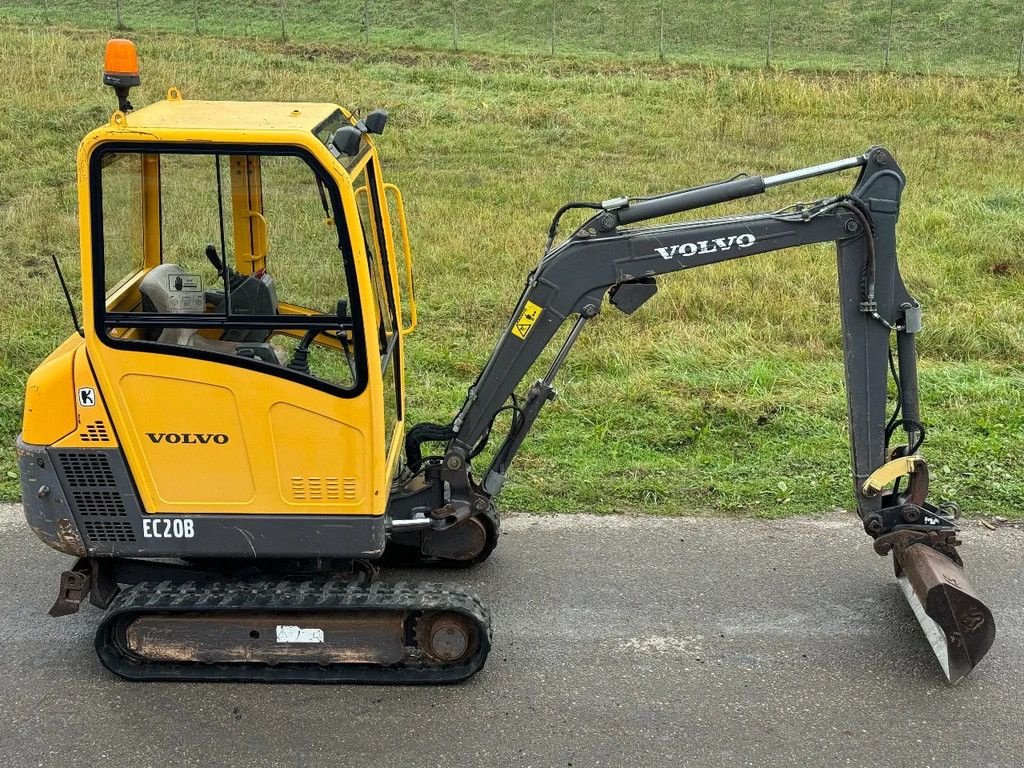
(376, 120)
(347, 140)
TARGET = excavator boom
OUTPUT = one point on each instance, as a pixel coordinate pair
(607, 257)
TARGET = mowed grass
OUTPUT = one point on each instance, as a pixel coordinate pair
(954, 36)
(724, 393)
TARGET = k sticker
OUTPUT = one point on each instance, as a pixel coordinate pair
(526, 320)
(86, 397)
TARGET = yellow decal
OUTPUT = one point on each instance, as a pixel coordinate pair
(526, 320)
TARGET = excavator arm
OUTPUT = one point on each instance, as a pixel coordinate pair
(607, 256)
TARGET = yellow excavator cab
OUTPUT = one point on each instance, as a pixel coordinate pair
(242, 309)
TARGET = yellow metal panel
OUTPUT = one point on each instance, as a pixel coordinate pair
(197, 115)
(308, 474)
(169, 394)
(151, 245)
(50, 397)
(191, 439)
(84, 224)
(396, 449)
(249, 226)
(94, 428)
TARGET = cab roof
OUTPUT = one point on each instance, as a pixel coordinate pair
(178, 113)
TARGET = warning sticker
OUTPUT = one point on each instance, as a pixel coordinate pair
(183, 282)
(526, 320)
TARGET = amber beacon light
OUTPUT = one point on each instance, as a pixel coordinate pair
(121, 70)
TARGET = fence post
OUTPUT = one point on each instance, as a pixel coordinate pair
(1020, 56)
(284, 35)
(888, 39)
(552, 27)
(120, 23)
(455, 26)
(195, 15)
(661, 30)
(366, 21)
(768, 42)
(46, 13)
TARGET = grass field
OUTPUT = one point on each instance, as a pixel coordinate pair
(953, 36)
(724, 393)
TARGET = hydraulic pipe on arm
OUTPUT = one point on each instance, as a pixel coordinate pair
(605, 257)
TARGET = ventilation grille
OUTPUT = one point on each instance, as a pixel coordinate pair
(109, 530)
(94, 432)
(104, 511)
(99, 503)
(323, 488)
(87, 470)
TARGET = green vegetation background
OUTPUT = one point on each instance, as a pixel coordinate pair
(959, 36)
(725, 392)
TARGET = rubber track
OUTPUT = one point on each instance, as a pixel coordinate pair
(272, 596)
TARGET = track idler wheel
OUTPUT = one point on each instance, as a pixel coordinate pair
(956, 622)
(446, 637)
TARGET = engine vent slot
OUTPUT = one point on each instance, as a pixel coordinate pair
(108, 530)
(314, 489)
(99, 492)
(99, 504)
(87, 470)
(94, 432)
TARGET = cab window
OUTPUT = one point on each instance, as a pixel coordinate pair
(383, 299)
(378, 261)
(230, 255)
(121, 187)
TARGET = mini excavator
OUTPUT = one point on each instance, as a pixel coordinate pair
(222, 444)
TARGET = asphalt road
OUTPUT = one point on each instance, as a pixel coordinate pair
(618, 642)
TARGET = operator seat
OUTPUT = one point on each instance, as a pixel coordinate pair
(169, 289)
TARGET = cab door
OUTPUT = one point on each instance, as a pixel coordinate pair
(242, 374)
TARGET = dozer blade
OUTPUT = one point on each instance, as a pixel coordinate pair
(958, 625)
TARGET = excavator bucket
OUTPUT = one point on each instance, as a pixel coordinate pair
(956, 622)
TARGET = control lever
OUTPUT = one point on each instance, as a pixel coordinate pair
(213, 258)
(300, 357)
(234, 279)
